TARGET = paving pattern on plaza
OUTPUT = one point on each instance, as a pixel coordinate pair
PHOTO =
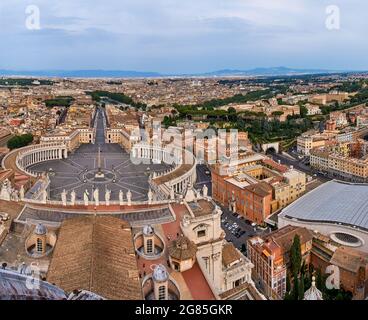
(78, 170)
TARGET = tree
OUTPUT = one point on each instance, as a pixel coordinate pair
(288, 282)
(296, 287)
(301, 288)
(277, 113)
(20, 141)
(167, 121)
(231, 110)
(319, 280)
(296, 255)
(303, 111)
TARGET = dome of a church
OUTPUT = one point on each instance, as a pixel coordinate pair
(160, 274)
(313, 293)
(182, 249)
(40, 229)
(147, 230)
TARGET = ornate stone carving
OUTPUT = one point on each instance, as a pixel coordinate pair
(86, 198)
(107, 197)
(72, 198)
(63, 197)
(121, 197)
(129, 198)
(96, 196)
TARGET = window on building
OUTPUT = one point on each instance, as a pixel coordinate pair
(161, 293)
(39, 245)
(237, 283)
(149, 246)
(201, 233)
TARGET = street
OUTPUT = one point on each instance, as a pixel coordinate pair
(318, 178)
(203, 178)
(238, 230)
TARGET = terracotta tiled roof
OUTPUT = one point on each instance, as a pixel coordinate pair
(245, 291)
(229, 254)
(262, 189)
(11, 207)
(284, 237)
(279, 167)
(173, 175)
(182, 249)
(96, 254)
(349, 259)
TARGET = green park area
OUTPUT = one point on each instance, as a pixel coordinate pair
(60, 101)
(116, 98)
(20, 141)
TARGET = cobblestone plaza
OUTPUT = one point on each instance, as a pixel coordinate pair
(78, 171)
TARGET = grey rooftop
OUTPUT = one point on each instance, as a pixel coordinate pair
(333, 202)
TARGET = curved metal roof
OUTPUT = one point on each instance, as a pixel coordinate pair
(333, 202)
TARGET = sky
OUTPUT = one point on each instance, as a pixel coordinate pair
(183, 36)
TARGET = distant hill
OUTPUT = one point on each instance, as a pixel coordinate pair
(275, 71)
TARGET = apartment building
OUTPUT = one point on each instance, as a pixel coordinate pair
(310, 140)
(258, 189)
(270, 255)
(344, 161)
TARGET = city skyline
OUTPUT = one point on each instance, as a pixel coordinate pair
(182, 38)
(197, 152)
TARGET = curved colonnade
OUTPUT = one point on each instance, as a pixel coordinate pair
(174, 181)
(164, 185)
(27, 156)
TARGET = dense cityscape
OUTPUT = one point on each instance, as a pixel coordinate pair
(183, 158)
(182, 188)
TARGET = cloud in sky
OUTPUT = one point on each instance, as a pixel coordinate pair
(182, 36)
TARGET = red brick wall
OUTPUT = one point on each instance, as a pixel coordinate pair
(257, 206)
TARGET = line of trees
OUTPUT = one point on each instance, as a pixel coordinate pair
(23, 82)
(20, 141)
(119, 97)
(60, 101)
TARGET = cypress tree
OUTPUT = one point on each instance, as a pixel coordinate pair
(296, 287)
(288, 282)
(301, 288)
(295, 255)
(319, 280)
